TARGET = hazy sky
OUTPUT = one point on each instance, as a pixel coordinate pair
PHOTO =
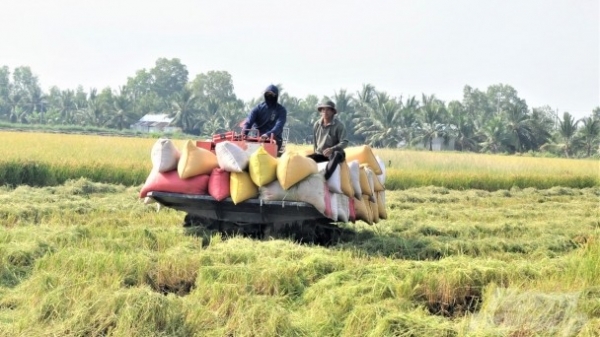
(548, 50)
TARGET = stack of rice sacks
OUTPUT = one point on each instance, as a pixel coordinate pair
(367, 174)
(186, 170)
(355, 191)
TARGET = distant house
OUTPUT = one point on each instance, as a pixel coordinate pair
(155, 123)
(437, 145)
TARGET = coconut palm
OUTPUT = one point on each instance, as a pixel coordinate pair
(462, 128)
(121, 112)
(518, 126)
(542, 124)
(565, 140)
(379, 121)
(408, 118)
(431, 121)
(183, 110)
(493, 135)
(589, 134)
(344, 104)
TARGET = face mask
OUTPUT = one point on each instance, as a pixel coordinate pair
(271, 100)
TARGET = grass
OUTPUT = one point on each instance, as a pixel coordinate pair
(42, 159)
(474, 245)
(89, 259)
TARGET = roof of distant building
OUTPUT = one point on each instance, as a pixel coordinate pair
(156, 118)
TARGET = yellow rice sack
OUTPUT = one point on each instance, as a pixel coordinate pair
(381, 205)
(293, 167)
(377, 185)
(365, 186)
(242, 187)
(362, 211)
(366, 201)
(195, 161)
(347, 188)
(374, 209)
(262, 167)
(364, 155)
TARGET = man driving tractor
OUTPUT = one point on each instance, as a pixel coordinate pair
(268, 117)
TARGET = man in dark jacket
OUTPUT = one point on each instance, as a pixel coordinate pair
(329, 138)
(268, 117)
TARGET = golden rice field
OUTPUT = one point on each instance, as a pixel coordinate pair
(42, 159)
(81, 255)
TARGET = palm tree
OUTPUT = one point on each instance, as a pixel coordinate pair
(122, 115)
(462, 128)
(567, 129)
(541, 126)
(344, 104)
(184, 110)
(36, 101)
(378, 121)
(66, 106)
(493, 135)
(520, 129)
(408, 118)
(590, 134)
(366, 94)
(94, 113)
(431, 122)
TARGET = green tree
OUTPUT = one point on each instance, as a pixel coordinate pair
(121, 112)
(431, 121)
(408, 118)
(477, 106)
(493, 135)
(378, 121)
(462, 128)
(345, 106)
(565, 140)
(596, 113)
(184, 111)
(589, 134)
(168, 77)
(542, 123)
(214, 84)
(5, 89)
(518, 126)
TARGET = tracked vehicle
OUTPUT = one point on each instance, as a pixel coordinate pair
(299, 221)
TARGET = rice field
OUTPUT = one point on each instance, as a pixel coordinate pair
(40, 159)
(88, 258)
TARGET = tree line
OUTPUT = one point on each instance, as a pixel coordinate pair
(496, 120)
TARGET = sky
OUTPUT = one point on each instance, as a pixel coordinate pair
(548, 50)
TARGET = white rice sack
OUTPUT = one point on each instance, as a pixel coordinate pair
(343, 209)
(272, 191)
(354, 167)
(164, 155)
(231, 157)
(334, 206)
(334, 183)
(381, 176)
(310, 190)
